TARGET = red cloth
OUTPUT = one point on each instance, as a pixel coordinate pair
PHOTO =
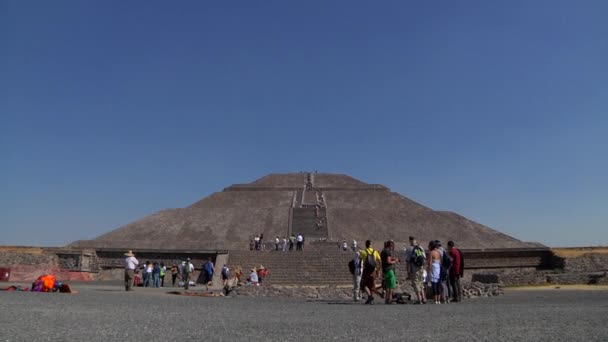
(456, 262)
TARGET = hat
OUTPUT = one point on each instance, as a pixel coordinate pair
(129, 253)
(262, 267)
(253, 269)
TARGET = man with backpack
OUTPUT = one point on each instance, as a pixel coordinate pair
(371, 268)
(456, 272)
(415, 258)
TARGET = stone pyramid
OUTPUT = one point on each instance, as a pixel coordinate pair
(321, 206)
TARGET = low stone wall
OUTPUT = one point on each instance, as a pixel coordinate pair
(587, 263)
(470, 290)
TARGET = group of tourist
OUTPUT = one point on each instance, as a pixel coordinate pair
(153, 273)
(439, 273)
(285, 244)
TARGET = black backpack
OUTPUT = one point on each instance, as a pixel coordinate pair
(446, 260)
(418, 256)
(370, 262)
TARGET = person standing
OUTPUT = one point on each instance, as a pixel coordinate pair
(131, 264)
(284, 244)
(187, 273)
(292, 239)
(415, 258)
(155, 275)
(174, 274)
(209, 269)
(225, 275)
(163, 271)
(456, 272)
(434, 271)
(354, 245)
(388, 271)
(148, 278)
(357, 271)
(446, 265)
(299, 241)
(371, 268)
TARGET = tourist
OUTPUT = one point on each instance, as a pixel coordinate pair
(187, 273)
(292, 239)
(156, 274)
(131, 264)
(303, 242)
(225, 275)
(148, 281)
(284, 243)
(356, 271)
(388, 271)
(262, 247)
(253, 277)
(163, 270)
(344, 246)
(209, 269)
(174, 274)
(354, 245)
(276, 244)
(262, 273)
(257, 242)
(434, 271)
(415, 260)
(299, 241)
(371, 267)
(456, 272)
(446, 264)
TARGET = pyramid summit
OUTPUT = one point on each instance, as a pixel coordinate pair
(316, 205)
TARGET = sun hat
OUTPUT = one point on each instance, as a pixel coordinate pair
(129, 253)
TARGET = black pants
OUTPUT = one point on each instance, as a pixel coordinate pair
(454, 287)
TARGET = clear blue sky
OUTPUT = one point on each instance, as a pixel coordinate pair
(112, 110)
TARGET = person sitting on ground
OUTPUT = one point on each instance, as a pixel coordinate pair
(253, 277)
(262, 273)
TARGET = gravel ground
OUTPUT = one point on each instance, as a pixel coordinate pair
(106, 313)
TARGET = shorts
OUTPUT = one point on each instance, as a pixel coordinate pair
(417, 279)
(390, 280)
(367, 281)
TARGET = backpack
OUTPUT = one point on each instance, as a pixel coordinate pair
(225, 272)
(351, 266)
(418, 256)
(446, 260)
(187, 268)
(370, 262)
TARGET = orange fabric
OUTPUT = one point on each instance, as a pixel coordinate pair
(48, 282)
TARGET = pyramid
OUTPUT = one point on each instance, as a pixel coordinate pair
(321, 206)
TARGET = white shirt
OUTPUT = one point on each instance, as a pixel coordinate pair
(131, 263)
(253, 277)
(300, 238)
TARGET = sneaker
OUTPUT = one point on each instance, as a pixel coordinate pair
(370, 300)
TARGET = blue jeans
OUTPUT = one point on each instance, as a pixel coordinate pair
(156, 277)
(147, 279)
